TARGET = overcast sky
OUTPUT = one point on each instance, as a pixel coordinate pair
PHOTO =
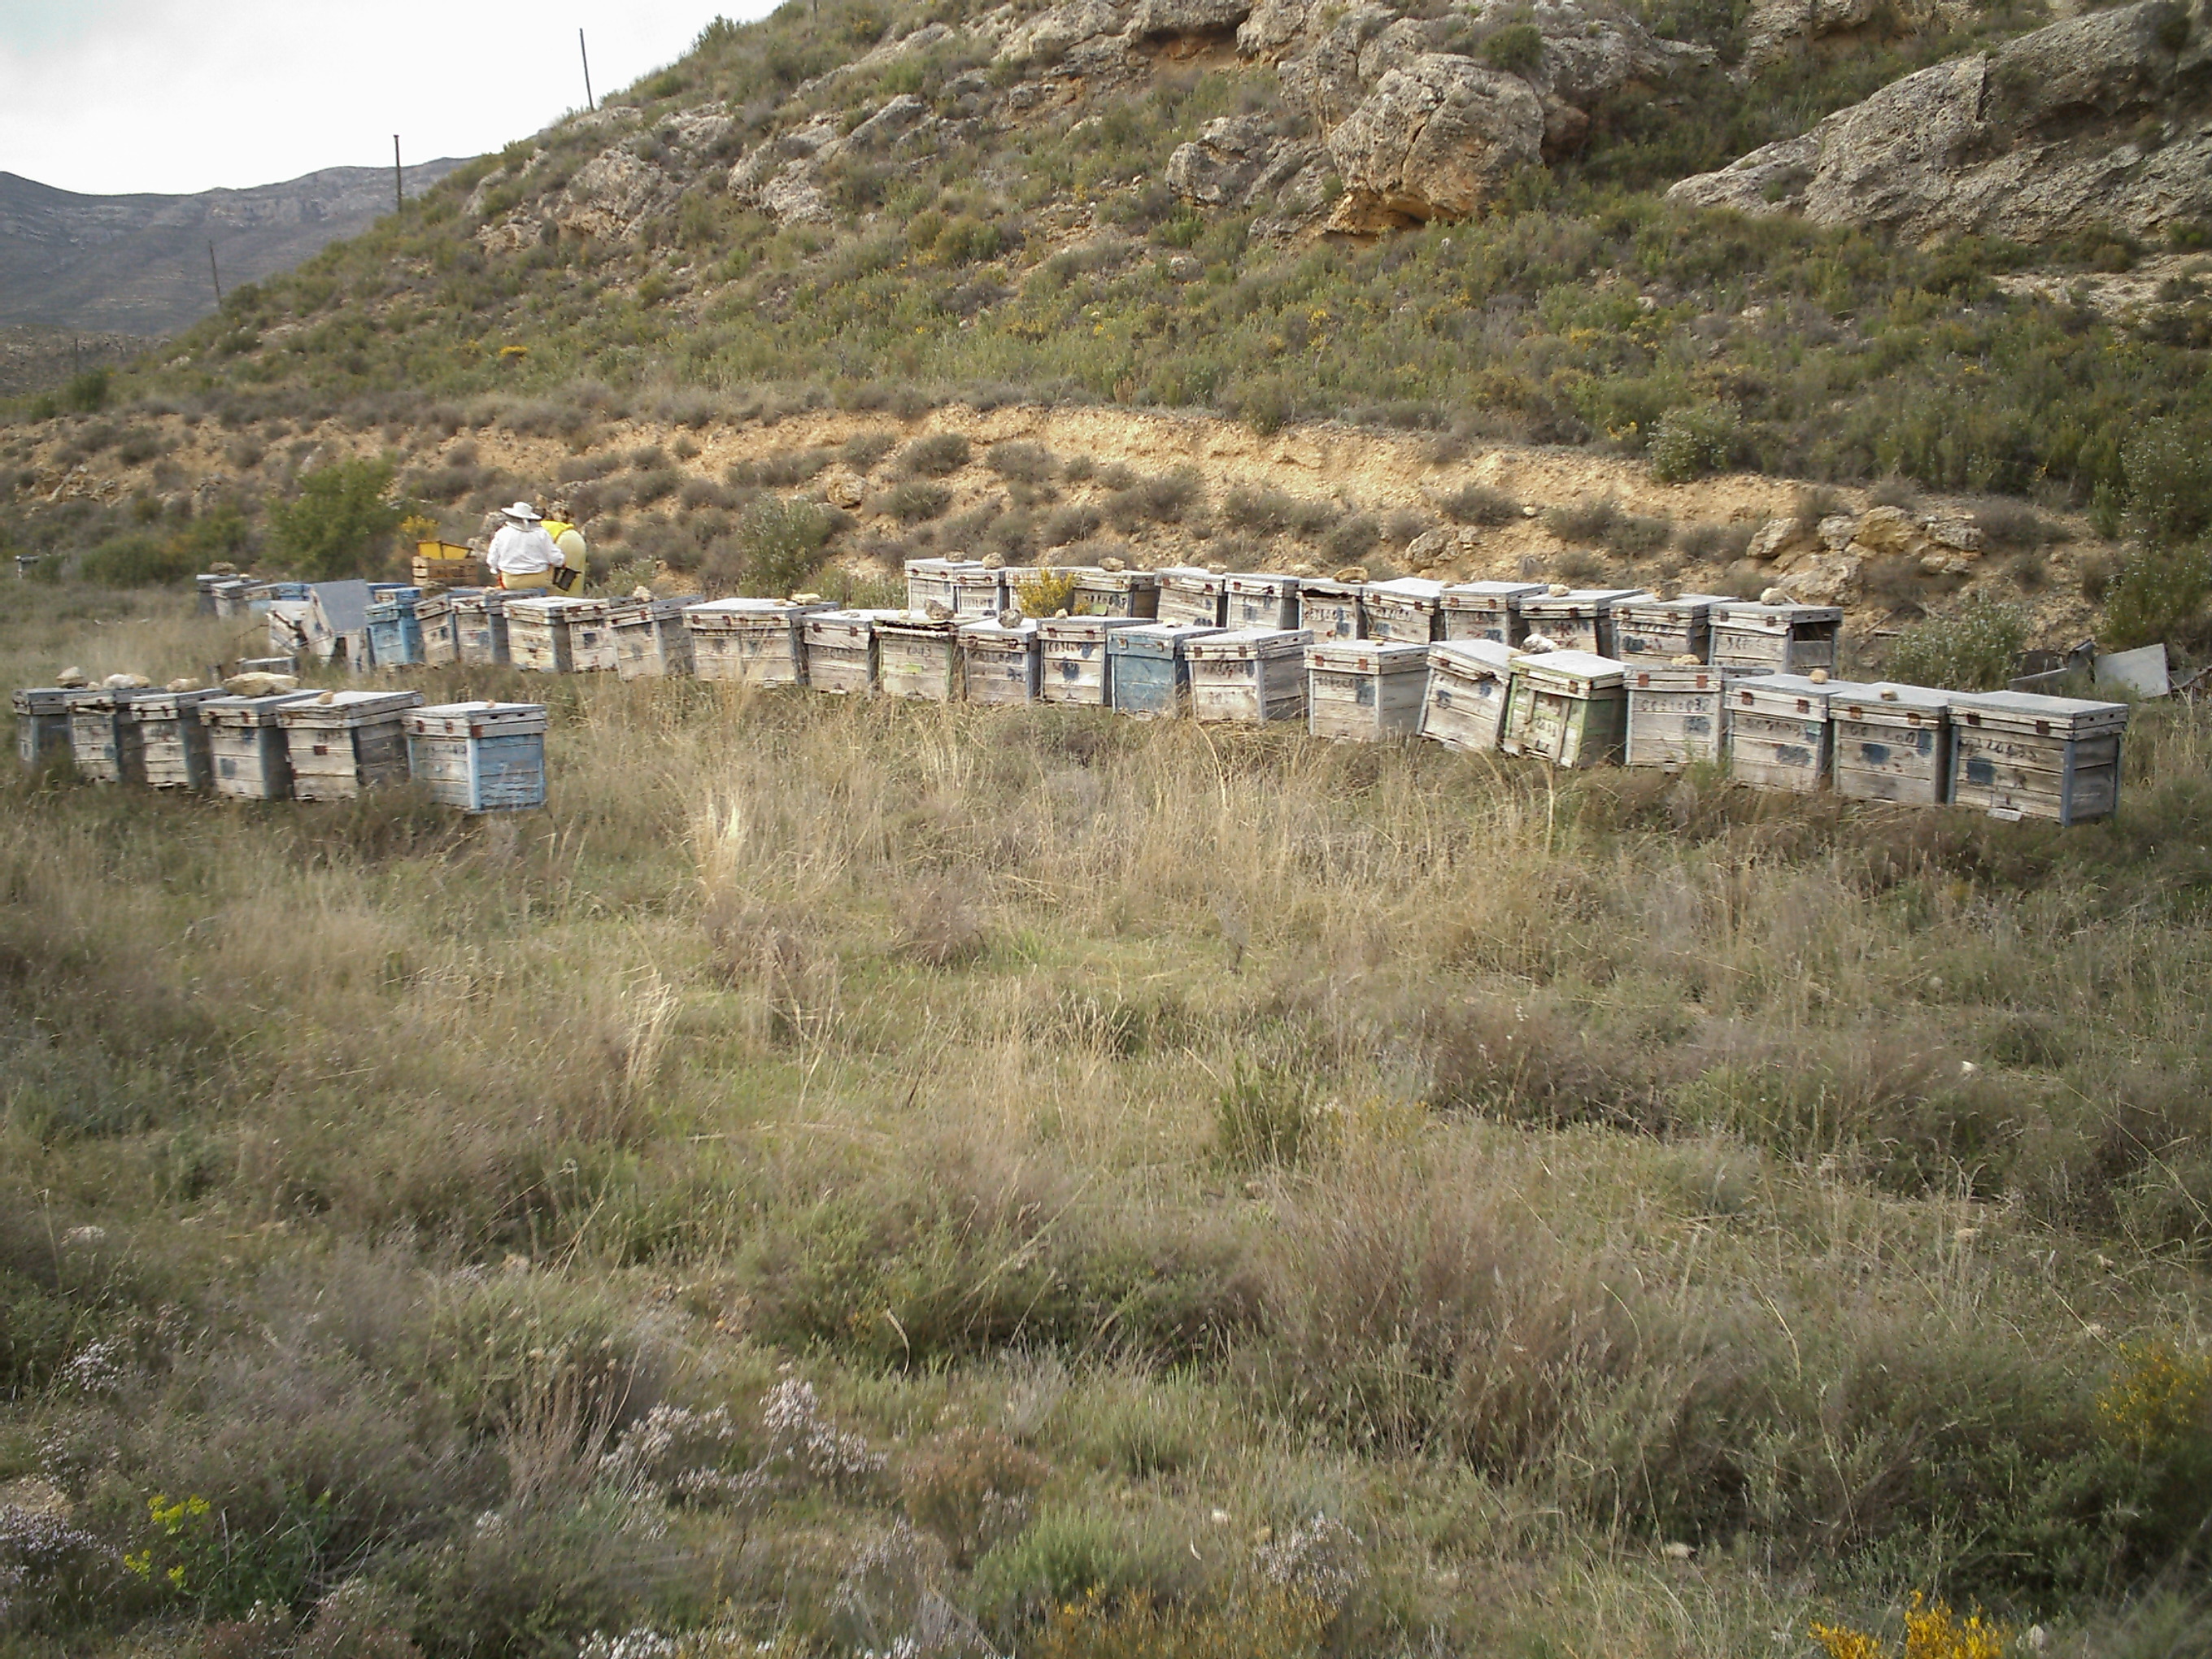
(112, 96)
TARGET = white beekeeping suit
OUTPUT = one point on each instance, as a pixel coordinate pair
(522, 554)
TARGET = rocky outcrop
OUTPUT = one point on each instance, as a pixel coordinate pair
(2100, 120)
(1437, 137)
(1156, 17)
(1826, 563)
(1238, 163)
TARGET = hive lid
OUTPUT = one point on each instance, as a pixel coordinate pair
(1116, 581)
(168, 702)
(49, 699)
(916, 622)
(476, 719)
(249, 711)
(1360, 656)
(1190, 575)
(552, 605)
(1790, 693)
(751, 607)
(1088, 629)
(1690, 605)
(347, 708)
(1887, 699)
(1162, 634)
(1463, 656)
(1583, 599)
(1687, 677)
(1329, 587)
(117, 697)
(1581, 668)
(993, 630)
(637, 610)
(1260, 581)
(1420, 589)
(1744, 612)
(1235, 643)
(940, 567)
(1486, 595)
(2030, 713)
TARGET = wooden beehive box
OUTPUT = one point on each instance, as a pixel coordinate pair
(1470, 685)
(1580, 619)
(1259, 600)
(1777, 731)
(1677, 717)
(1074, 663)
(1134, 594)
(750, 641)
(480, 626)
(1652, 630)
(841, 649)
(1487, 610)
(1331, 610)
(247, 756)
(1890, 742)
(176, 742)
(1249, 676)
(931, 578)
(105, 737)
(1189, 595)
(918, 658)
(230, 595)
(999, 664)
(350, 745)
(539, 638)
(2014, 755)
(981, 590)
(479, 756)
(651, 639)
(1365, 689)
(42, 722)
(1569, 708)
(1410, 607)
(395, 634)
(592, 636)
(441, 637)
(1774, 639)
(1148, 667)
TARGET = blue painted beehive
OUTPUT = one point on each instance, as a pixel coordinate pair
(1150, 671)
(395, 634)
(479, 756)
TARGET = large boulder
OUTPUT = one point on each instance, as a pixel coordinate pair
(1157, 17)
(2099, 120)
(1238, 162)
(1434, 139)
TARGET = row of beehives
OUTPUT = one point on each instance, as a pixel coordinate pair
(289, 746)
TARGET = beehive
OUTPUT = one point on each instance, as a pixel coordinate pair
(1249, 676)
(1487, 610)
(1365, 689)
(42, 722)
(1134, 594)
(395, 636)
(1410, 609)
(1148, 667)
(247, 755)
(592, 636)
(752, 641)
(1569, 708)
(841, 649)
(539, 636)
(479, 756)
(203, 586)
(1777, 731)
(442, 636)
(1259, 600)
(176, 742)
(1581, 619)
(104, 736)
(480, 626)
(1074, 663)
(1654, 630)
(1774, 639)
(1888, 742)
(352, 743)
(918, 658)
(1469, 687)
(1190, 595)
(651, 640)
(931, 578)
(1677, 717)
(999, 664)
(1331, 610)
(2014, 755)
(980, 590)
(230, 595)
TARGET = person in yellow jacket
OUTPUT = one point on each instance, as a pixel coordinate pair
(522, 555)
(568, 541)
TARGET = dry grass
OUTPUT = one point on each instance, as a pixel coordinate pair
(1671, 1164)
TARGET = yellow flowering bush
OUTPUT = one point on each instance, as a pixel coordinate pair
(2156, 1401)
(1282, 1625)
(1932, 1630)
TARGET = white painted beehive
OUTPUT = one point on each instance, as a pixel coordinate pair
(1487, 610)
(1652, 630)
(1259, 600)
(750, 641)
(348, 746)
(999, 664)
(2015, 755)
(1570, 708)
(840, 650)
(1891, 743)
(1777, 734)
(1581, 619)
(918, 657)
(1470, 685)
(1074, 663)
(1331, 610)
(651, 639)
(931, 580)
(479, 756)
(1677, 716)
(175, 739)
(1129, 593)
(247, 755)
(1774, 639)
(1409, 608)
(1249, 676)
(1365, 689)
(1190, 595)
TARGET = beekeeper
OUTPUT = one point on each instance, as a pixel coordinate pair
(522, 555)
(570, 541)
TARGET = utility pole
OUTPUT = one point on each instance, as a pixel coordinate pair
(399, 178)
(585, 52)
(214, 277)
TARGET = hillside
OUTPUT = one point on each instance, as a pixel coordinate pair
(139, 264)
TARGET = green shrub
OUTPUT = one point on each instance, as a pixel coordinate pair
(137, 561)
(1265, 1119)
(1694, 441)
(914, 501)
(1975, 648)
(938, 456)
(778, 545)
(972, 1487)
(2168, 464)
(1479, 504)
(2158, 593)
(1516, 48)
(86, 393)
(1587, 522)
(331, 529)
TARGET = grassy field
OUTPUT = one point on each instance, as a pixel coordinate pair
(855, 1177)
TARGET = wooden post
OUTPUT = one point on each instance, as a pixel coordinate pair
(399, 178)
(584, 52)
(215, 277)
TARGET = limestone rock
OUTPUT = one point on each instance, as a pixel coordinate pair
(72, 678)
(1187, 17)
(1437, 138)
(1885, 530)
(936, 610)
(127, 682)
(1080, 36)
(1823, 579)
(1772, 540)
(1430, 546)
(259, 685)
(1776, 27)
(1237, 162)
(611, 194)
(1954, 531)
(894, 121)
(1837, 531)
(2097, 120)
(844, 490)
